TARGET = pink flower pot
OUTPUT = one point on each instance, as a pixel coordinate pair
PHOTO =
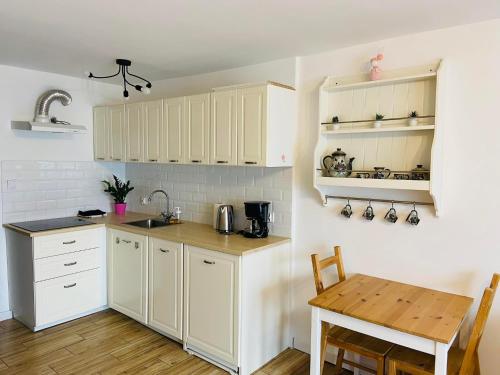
(120, 208)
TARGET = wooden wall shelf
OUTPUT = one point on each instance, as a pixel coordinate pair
(394, 145)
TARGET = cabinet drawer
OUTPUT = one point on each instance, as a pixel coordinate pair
(66, 296)
(61, 265)
(63, 243)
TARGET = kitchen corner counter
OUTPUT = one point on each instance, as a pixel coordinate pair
(189, 233)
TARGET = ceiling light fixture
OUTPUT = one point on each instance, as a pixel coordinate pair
(123, 66)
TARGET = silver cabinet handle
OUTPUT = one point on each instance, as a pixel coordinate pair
(250, 162)
(117, 240)
(70, 264)
(222, 161)
(136, 244)
(208, 262)
(195, 161)
(127, 241)
(69, 286)
(164, 250)
(153, 160)
(69, 242)
(134, 159)
(173, 161)
(117, 159)
(99, 158)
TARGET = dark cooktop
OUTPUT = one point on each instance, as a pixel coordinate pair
(50, 224)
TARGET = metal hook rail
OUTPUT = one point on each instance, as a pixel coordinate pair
(377, 200)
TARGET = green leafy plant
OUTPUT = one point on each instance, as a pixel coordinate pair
(119, 191)
(413, 114)
(379, 117)
(335, 119)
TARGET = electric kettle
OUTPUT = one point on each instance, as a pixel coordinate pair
(225, 218)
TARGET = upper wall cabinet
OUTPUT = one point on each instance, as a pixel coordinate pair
(153, 123)
(172, 150)
(223, 128)
(115, 121)
(249, 125)
(101, 134)
(266, 121)
(134, 132)
(197, 109)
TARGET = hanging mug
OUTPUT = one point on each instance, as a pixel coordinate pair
(391, 215)
(368, 214)
(381, 173)
(413, 218)
(347, 210)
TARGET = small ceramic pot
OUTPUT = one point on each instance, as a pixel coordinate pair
(412, 121)
(120, 208)
(377, 124)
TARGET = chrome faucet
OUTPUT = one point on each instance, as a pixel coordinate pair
(166, 215)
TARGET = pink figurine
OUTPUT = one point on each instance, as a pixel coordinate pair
(375, 70)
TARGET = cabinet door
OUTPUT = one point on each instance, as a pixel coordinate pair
(165, 286)
(127, 274)
(212, 302)
(173, 131)
(252, 114)
(116, 123)
(134, 135)
(101, 136)
(197, 128)
(223, 128)
(153, 117)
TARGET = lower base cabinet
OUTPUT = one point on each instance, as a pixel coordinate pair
(165, 286)
(128, 274)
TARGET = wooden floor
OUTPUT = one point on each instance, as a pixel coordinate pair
(111, 343)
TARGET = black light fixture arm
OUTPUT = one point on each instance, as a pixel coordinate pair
(123, 70)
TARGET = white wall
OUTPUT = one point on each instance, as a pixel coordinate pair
(457, 252)
(20, 90)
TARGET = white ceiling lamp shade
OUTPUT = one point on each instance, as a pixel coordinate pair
(123, 66)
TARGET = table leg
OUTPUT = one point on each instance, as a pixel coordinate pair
(315, 342)
(441, 361)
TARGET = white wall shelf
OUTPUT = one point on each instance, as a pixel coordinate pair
(396, 145)
(383, 129)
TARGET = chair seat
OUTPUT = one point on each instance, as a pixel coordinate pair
(425, 362)
(358, 342)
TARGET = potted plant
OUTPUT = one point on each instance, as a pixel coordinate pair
(413, 118)
(119, 193)
(378, 120)
(335, 121)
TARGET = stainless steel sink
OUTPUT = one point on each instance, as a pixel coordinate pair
(149, 223)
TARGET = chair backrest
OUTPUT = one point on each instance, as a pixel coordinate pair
(319, 265)
(469, 361)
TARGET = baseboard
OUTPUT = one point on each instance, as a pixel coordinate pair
(4, 315)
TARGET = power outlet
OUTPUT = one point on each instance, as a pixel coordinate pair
(11, 185)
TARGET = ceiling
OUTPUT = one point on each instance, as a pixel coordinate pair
(173, 38)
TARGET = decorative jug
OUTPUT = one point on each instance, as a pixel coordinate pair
(338, 167)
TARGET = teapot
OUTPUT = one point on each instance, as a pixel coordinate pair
(338, 166)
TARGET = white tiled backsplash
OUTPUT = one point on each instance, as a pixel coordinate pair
(33, 190)
(196, 188)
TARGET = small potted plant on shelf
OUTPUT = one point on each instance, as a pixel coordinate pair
(378, 120)
(119, 193)
(413, 118)
(335, 122)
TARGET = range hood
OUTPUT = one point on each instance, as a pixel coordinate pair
(42, 122)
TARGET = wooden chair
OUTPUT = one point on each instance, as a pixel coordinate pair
(460, 362)
(342, 338)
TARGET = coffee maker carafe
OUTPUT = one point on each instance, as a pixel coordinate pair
(258, 214)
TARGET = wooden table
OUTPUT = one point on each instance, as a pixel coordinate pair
(423, 319)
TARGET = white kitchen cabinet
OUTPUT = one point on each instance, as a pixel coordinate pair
(128, 274)
(54, 278)
(165, 286)
(101, 134)
(266, 117)
(197, 128)
(153, 122)
(172, 150)
(223, 142)
(134, 133)
(115, 119)
(212, 303)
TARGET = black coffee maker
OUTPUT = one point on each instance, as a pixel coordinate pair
(258, 213)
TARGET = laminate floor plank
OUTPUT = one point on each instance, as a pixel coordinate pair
(109, 343)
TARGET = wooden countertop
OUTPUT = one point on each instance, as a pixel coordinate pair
(415, 310)
(190, 233)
